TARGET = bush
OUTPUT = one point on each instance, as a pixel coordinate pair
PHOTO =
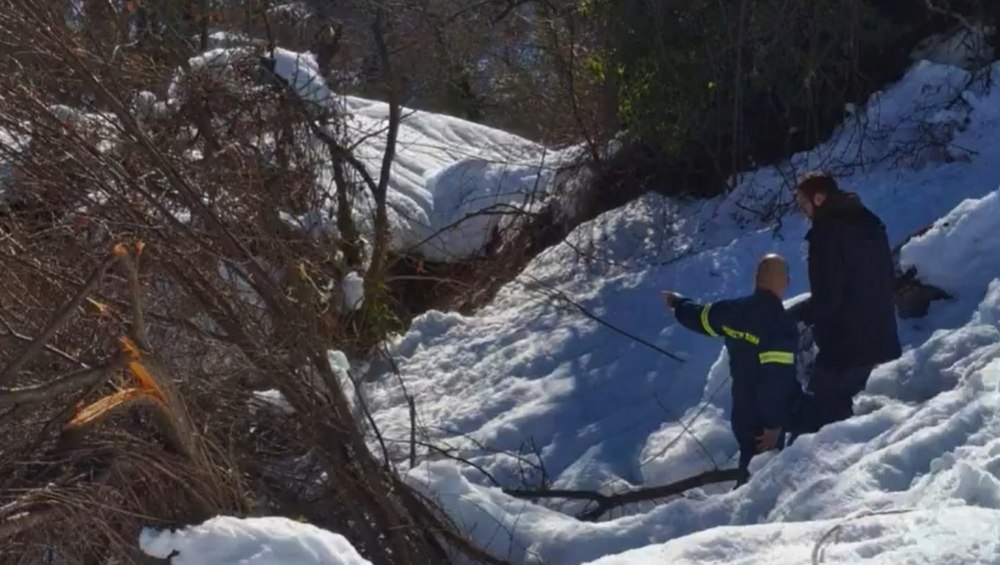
(717, 87)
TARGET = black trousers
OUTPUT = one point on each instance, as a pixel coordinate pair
(832, 398)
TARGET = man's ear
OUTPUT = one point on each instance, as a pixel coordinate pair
(818, 199)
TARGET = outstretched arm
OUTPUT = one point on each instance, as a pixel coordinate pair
(706, 319)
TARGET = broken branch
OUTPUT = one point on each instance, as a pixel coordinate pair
(73, 381)
(606, 502)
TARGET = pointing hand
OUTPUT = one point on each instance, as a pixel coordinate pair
(670, 298)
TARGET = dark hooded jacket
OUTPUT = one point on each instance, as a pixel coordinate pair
(851, 275)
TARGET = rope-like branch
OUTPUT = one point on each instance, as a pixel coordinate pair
(606, 502)
(556, 293)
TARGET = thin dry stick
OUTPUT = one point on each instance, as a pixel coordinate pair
(73, 381)
(12, 334)
(555, 293)
(413, 431)
(60, 318)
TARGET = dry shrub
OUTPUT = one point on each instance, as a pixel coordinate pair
(153, 281)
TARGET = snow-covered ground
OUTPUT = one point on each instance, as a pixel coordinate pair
(225, 540)
(530, 387)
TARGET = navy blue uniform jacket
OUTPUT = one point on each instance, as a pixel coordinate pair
(762, 340)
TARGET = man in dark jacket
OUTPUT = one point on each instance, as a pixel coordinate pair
(851, 306)
(761, 339)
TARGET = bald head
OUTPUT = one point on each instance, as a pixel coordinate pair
(772, 275)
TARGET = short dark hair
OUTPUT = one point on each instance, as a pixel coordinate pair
(817, 182)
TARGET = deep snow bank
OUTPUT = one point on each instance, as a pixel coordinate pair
(952, 535)
(529, 385)
(447, 171)
(225, 540)
(451, 182)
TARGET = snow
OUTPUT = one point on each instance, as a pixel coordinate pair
(302, 74)
(452, 182)
(446, 170)
(529, 389)
(225, 540)
(274, 399)
(354, 290)
(951, 535)
(970, 227)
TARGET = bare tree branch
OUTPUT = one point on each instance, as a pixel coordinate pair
(46, 391)
(606, 503)
(62, 315)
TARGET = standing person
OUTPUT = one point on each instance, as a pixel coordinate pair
(761, 339)
(851, 306)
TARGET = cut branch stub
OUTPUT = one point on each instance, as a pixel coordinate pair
(147, 382)
(106, 406)
(149, 393)
(148, 387)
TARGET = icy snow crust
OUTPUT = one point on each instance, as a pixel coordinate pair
(225, 540)
(530, 373)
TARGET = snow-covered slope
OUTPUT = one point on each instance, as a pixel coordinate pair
(952, 535)
(445, 171)
(451, 182)
(532, 388)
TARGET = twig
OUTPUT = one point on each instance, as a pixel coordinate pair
(72, 381)
(413, 431)
(447, 453)
(60, 318)
(27, 520)
(687, 430)
(817, 552)
(12, 334)
(555, 293)
(957, 16)
(511, 6)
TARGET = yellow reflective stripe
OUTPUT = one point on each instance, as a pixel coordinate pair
(777, 357)
(745, 336)
(705, 323)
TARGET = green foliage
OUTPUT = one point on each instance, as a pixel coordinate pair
(728, 81)
(376, 318)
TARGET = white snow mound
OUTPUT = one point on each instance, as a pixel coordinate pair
(225, 540)
(969, 230)
(452, 182)
(951, 535)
